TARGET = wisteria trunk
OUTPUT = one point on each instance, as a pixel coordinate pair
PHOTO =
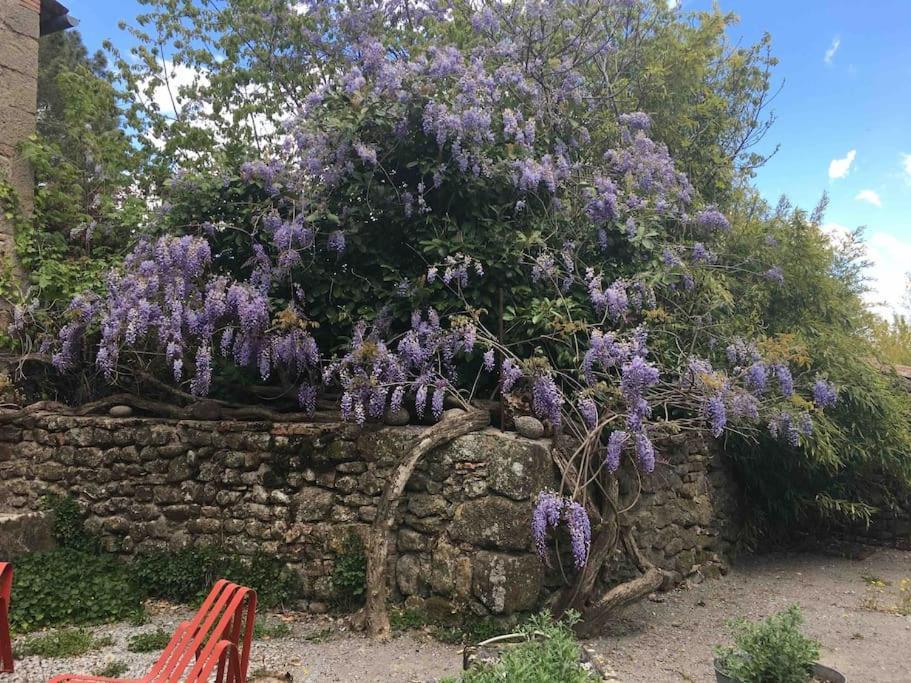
(598, 611)
(580, 595)
(455, 423)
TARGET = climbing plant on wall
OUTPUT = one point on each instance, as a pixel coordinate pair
(467, 200)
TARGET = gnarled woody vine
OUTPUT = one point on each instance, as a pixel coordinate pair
(463, 164)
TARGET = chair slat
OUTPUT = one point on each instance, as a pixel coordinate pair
(6, 645)
(210, 642)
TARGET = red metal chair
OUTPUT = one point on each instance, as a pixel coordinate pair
(6, 646)
(217, 640)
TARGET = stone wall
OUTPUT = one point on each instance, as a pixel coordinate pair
(299, 490)
(890, 524)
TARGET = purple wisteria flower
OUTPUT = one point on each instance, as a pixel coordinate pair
(716, 414)
(782, 428)
(550, 510)
(824, 394)
(489, 360)
(740, 351)
(615, 444)
(547, 399)
(614, 300)
(580, 532)
(336, 242)
(645, 453)
(712, 220)
(805, 424)
(701, 254)
(367, 153)
(167, 298)
(510, 373)
(785, 380)
(588, 409)
(545, 516)
(744, 406)
(756, 377)
(669, 258)
(604, 352)
(636, 120)
(775, 274)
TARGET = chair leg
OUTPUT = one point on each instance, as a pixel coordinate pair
(6, 646)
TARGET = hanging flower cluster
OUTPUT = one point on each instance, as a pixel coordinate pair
(375, 379)
(167, 302)
(550, 511)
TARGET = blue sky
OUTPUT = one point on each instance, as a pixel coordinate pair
(844, 114)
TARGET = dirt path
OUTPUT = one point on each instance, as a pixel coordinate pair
(673, 640)
(652, 642)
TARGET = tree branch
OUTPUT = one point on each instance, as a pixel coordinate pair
(455, 423)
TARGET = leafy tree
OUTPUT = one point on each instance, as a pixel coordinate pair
(470, 201)
(86, 208)
(892, 340)
(60, 52)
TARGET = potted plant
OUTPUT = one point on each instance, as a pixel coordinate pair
(542, 650)
(772, 651)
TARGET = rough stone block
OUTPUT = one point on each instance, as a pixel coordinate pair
(22, 20)
(507, 583)
(493, 521)
(312, 504)
(23, 533)
(517, 468)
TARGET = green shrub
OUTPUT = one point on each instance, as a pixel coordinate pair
(187, 575)
(68, 586)
(459, 628)
(180, 576)
(113, 669)
(69, 523)
(264, 629)
(770, 650)
(70, 642)
(349, 574)
(549, 654)
(150, 641)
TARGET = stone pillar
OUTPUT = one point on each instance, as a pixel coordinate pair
(19, 30)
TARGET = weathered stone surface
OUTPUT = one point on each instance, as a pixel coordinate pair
(120, 411)
(397, 418)
(507, 583)
(299, 490)
(425, 505)
(312, 503)
(493, 521)
(529, 427)
(410, 575)
(23, 533)
(519, 469)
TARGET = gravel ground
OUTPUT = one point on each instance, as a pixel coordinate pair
(654, 642)
(319, 649)
(673, 640)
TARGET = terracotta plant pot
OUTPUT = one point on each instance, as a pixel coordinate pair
(820, 672)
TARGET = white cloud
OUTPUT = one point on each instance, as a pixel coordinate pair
(838, 168)
(890, 261)
(870, 197)
(174, 77)
(889, 264)
(835, 231)
(672, 4)
(906, 166)
(833, 48)
(201, 116)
